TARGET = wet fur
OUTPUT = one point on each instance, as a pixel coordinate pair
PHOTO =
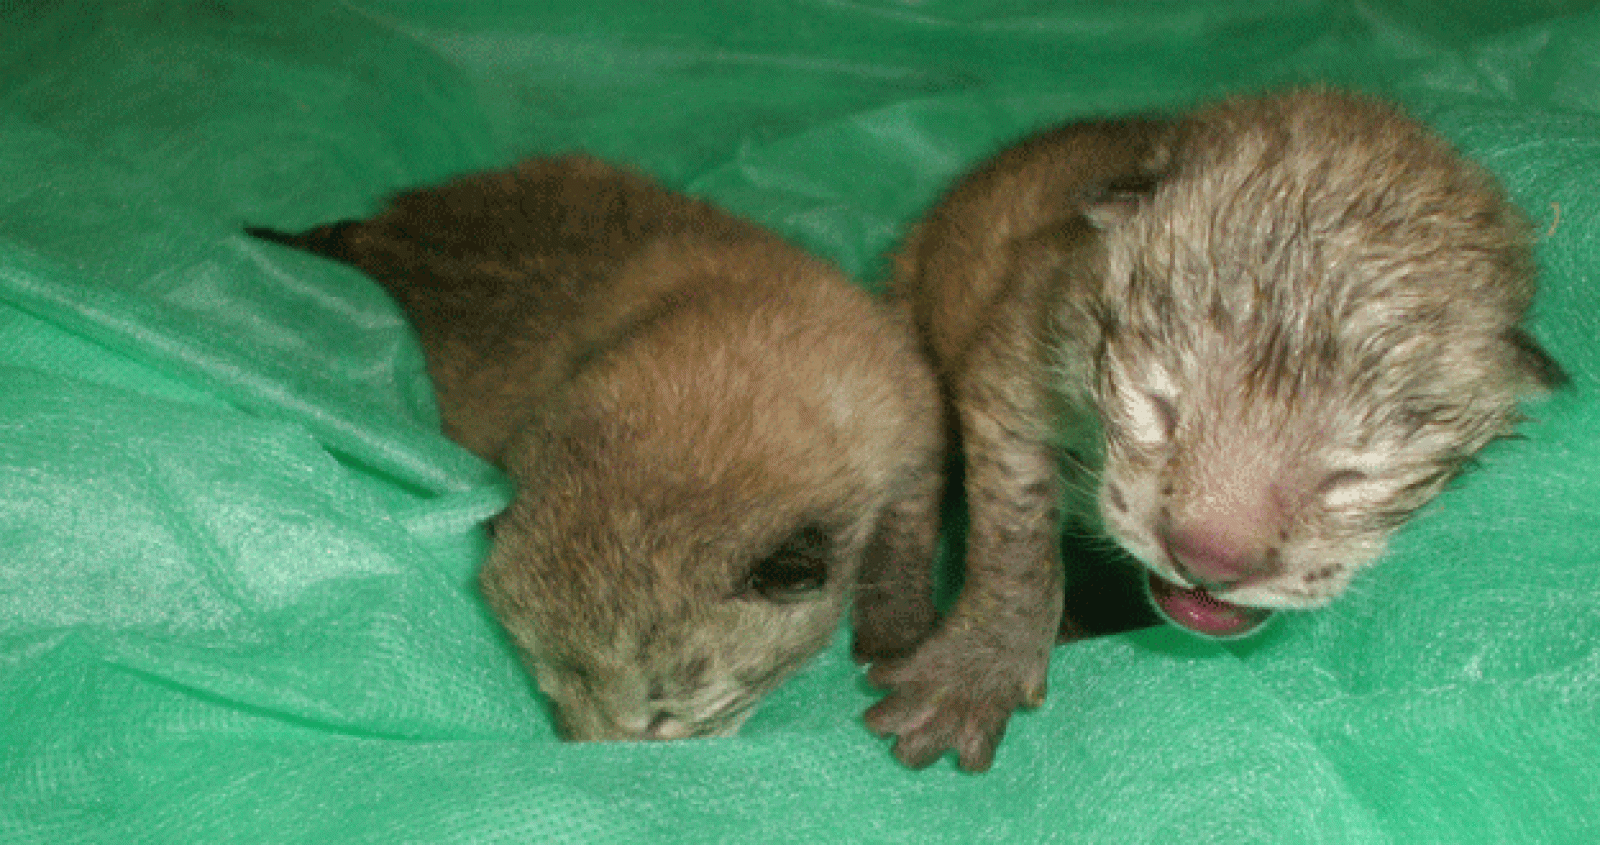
(1279, 326)
(718, 443)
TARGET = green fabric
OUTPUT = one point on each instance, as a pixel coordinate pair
(235, 591)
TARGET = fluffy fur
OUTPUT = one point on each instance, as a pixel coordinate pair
(718, 443)
(1263, 336)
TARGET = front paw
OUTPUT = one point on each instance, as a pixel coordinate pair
(955, 693)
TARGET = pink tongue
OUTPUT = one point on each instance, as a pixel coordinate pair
(1203, 613)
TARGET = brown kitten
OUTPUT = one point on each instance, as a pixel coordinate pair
(1262, 336)
(717, 442)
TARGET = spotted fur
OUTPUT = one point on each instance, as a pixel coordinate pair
(1262, 335)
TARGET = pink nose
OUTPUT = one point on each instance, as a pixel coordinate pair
(1215, 560)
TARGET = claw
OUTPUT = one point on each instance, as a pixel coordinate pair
(976, 753)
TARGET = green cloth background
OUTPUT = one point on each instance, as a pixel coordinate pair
(236, 557)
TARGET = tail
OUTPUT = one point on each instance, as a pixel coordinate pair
(330, 241)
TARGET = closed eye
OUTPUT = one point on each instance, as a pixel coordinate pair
(796, 569)
(1342, 488)
(1154, 417)
(1342, 478)
(570, 671)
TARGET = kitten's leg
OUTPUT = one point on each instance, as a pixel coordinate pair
(991, 654)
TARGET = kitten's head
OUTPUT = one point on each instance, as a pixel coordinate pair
(693, 510)
(1312, 324)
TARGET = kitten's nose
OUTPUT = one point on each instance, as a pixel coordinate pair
(664, 725)
(1218, 559)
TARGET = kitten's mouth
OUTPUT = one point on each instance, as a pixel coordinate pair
(1197, 610)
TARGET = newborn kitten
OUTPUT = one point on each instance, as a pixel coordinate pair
(718, 443)
(1246, 345)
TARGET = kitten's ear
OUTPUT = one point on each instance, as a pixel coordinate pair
(330, 241)
(1535, 370)
(1119, 199)
(1149, 145)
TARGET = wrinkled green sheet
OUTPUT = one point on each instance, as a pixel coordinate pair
(236, 557)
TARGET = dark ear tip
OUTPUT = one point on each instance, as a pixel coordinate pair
(271, 235)
(1542, 369)
(326, 240)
